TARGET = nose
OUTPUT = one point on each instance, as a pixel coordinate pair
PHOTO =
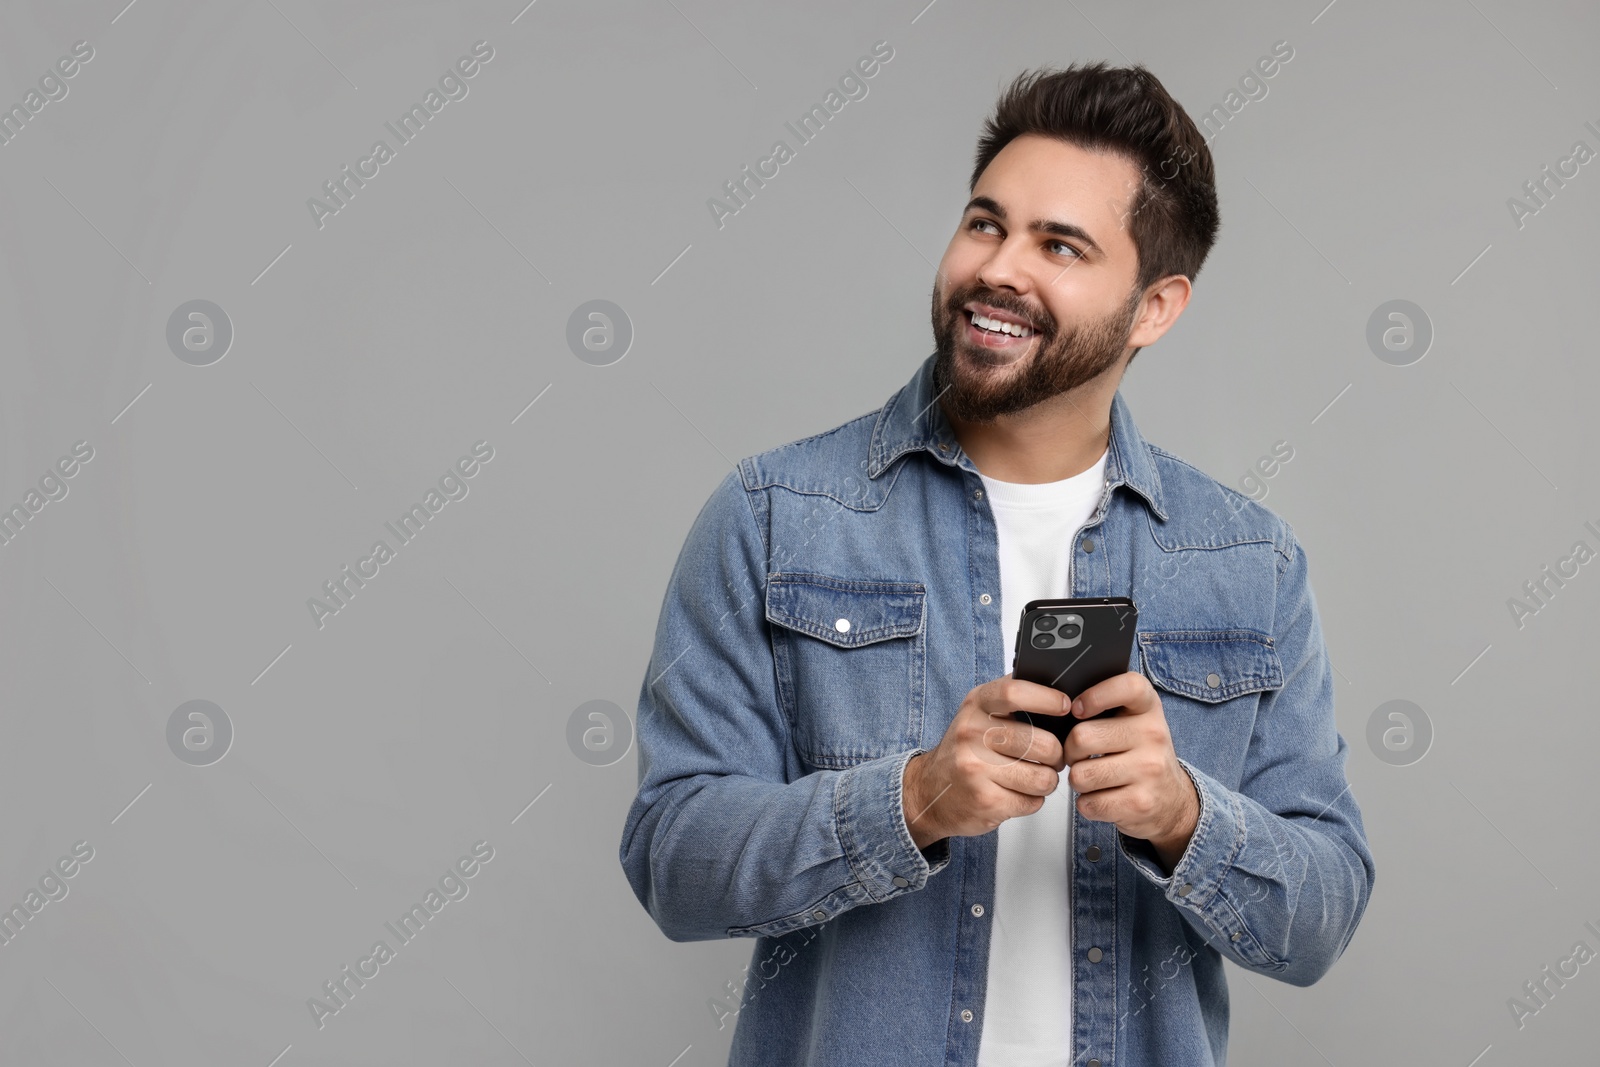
(1001, 270)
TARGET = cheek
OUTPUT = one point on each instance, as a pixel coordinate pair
(959, 267)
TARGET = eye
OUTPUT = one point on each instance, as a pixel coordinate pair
(1062, 244)
(975, 223)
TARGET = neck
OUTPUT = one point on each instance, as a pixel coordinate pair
(1052, 440)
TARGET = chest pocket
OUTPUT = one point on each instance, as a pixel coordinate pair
(850, 655)
(1211, 665)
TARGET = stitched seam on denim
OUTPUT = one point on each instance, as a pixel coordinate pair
(1152, 497)
(1236, 634)
(1273, 540)
(1244, 832)
(855, 639)
(779, 483)
(1251, 682)
(1210, 548)
(851, 585)
(797, 442)
(794, 920)
(846, 829)
(900, 624)
(755, 518)
(897, 807)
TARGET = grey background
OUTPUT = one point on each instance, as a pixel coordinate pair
(429, 313)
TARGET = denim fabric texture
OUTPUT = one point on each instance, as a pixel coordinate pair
(835, 600)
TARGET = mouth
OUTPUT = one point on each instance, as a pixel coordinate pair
(996, 333)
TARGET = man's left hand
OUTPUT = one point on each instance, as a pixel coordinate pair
(1137, 782)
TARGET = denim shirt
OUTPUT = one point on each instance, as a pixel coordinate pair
(835, 600)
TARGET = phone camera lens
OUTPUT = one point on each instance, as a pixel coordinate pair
(1045, 622)
(1043, 640)
(1070, 630)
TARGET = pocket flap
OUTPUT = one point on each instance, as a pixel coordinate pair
(846, 612)
(1211, 665)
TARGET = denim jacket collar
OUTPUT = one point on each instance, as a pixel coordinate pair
(912, 420)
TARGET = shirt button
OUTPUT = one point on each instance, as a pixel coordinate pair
(1095, 955)
(985, 598)
(1213, 680)
(977, 494)
(1092, 1063)
(843, 626)
(819, 915)
(977, 909)
(943, 447)
(1236, 935)
(966, 1015)
(1092, 852)
(1183, 890)
(1088, 545)
(900, 882)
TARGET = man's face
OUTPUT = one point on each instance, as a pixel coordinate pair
(1044, 242)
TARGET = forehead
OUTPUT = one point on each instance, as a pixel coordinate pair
(1037, 177)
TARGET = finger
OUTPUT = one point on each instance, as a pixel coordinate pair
(1029, 779)
(1100, 737)
(1019, 740)
(1130, 691)
(1008, 693)
(1094, 776)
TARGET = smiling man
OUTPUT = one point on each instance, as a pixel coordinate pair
(828, 758)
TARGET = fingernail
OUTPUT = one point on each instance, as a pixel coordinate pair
(1077, 707)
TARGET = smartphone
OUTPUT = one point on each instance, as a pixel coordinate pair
(1071, 645)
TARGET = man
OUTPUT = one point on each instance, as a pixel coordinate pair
(828, 759)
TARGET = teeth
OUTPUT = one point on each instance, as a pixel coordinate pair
(1003, 327)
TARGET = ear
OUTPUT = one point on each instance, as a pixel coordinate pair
(1164, 301)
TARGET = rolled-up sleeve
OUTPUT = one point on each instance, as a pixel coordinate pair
(1277, 873)
(719, 841)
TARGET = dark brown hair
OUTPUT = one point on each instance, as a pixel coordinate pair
(1127, 111)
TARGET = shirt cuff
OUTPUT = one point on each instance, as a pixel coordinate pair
(1206, 860)
(869, 814)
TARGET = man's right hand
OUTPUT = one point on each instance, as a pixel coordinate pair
(988, 767)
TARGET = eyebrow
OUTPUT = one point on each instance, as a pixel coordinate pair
(1054, 227)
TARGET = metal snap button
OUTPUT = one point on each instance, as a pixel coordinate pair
(819, 915)
(1095, 955)
(900, 882)
(943, 447)
(1236, 935)
(977, 910)
(1088, 545)
(1213, 680)
(1184, 889)
(1092, 853)
(977, 494)
(985, 598)
(843, 626)
(966, 1015)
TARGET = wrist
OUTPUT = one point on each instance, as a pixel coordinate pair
(919, 821)
(1170, 846)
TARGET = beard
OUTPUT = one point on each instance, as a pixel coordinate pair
(971, 381)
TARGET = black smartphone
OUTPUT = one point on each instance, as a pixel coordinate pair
(1071, 645)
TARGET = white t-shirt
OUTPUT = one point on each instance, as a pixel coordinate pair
(1027, 1019)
